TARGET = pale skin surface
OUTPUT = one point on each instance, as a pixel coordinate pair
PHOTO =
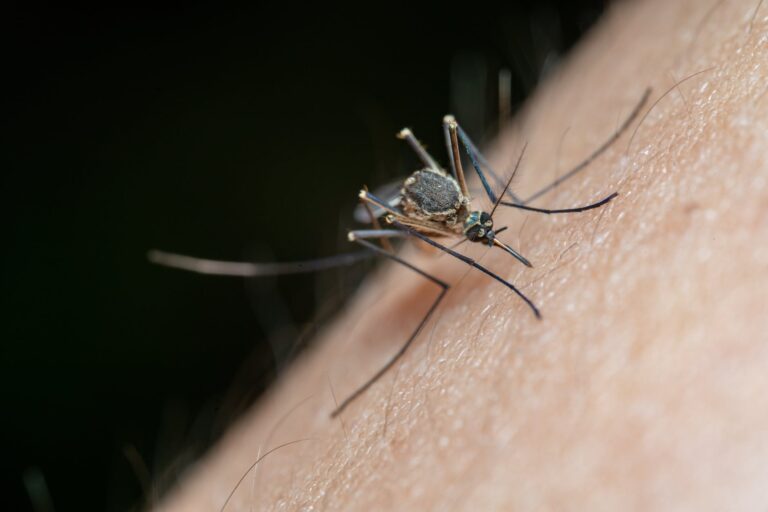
(643, 387)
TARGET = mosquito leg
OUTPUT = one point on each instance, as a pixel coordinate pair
(479, 162)
(375, 223)
(599, 151)
(367, 234)
(509, 181)
(448, 145)
(578, 209)
(456, 158)
(539, 210)
(244, 269)
(469, 261)
(407, 135)
(366, 196)
(360, 238)
(478, 157)
(427, 226)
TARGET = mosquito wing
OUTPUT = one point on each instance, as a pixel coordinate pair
(389, 193)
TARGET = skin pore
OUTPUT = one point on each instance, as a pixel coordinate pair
(642, 388)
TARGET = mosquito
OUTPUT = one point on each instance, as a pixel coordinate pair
(430, 204)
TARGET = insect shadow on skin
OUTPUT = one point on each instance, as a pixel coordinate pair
(430, 203)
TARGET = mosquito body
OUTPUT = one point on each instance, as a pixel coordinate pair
(432, 198)
(429, 204)
(431, 195)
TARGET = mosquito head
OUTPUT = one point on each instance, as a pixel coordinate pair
(478, 227)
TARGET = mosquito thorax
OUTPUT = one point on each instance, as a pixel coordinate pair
(431, 194)
(478, 226)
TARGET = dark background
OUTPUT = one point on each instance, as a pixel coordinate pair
(226, 133)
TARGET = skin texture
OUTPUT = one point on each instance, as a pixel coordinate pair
(643, 387)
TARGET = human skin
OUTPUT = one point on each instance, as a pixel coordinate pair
(644, 385)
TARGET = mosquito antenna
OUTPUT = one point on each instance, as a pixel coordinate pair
(599, 151)
(509, 181)
(243, 269)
